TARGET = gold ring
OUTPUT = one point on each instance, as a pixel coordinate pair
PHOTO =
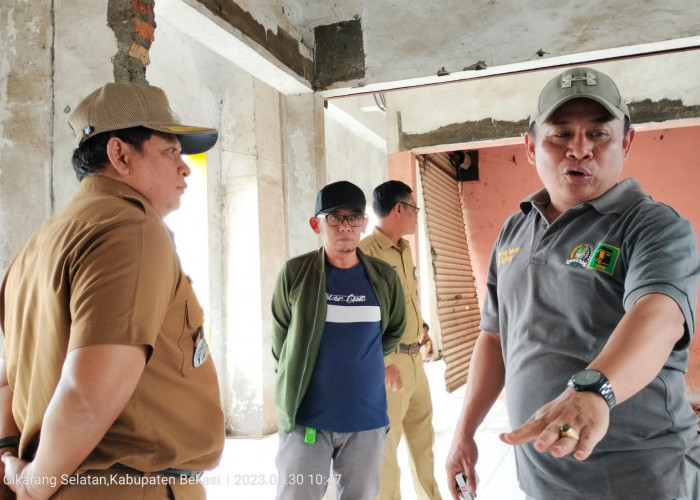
(567, 431)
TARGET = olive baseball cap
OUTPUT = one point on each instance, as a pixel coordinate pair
(117, 106)
(577, 83)
(341, 194)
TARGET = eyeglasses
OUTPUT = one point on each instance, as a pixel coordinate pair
(417, 209)
(335, 220)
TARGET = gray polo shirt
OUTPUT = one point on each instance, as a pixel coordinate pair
(555, 293)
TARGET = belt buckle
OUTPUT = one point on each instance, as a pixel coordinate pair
(409, 348)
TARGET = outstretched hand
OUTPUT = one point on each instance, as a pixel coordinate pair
(585, 412)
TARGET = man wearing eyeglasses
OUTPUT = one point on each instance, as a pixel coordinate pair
(408, 397)
(336, 313)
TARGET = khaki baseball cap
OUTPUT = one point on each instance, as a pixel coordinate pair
(117, 106)
(576, 83)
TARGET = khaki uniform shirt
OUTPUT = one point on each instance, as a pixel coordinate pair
(380, 246)
(104, 271)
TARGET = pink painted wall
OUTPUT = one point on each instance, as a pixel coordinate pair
(505, 178)
(666, 162)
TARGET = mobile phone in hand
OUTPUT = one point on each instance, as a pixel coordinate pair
(461, 485)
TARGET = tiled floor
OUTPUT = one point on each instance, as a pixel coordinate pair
(247, 469)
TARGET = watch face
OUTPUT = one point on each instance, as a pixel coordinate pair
(587, 377)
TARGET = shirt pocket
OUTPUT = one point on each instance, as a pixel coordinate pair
(192, 343)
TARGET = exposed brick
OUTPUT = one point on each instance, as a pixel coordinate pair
(140, 53)
(144, 29)
(142, 8)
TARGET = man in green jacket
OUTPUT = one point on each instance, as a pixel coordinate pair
(336, 313)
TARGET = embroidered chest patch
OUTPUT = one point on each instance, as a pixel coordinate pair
(603, 258)
(580, 255)
(507, 255)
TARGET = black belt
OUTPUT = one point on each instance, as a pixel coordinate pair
(408, 348)
(167, 472)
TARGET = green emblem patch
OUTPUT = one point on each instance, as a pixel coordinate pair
(604, 258)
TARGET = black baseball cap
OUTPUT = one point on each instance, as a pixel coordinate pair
(341, 194)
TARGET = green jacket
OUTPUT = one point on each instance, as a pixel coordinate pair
(299, 316)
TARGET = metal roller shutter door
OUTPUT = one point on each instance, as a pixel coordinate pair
(457, 303)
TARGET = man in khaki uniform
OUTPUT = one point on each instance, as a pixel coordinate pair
(106, 387)
(408, 398)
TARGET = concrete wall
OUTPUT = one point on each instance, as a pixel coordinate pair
(268, 159)
(505, 178)
(353, 153)
(665, 161)
(657, 88)
(79, 68)
(26, 121)
(47, 67)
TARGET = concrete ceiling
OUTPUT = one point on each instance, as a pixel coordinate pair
(363, 47)
(410, 39)
(389, 44)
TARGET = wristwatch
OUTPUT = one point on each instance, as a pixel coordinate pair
(593, 381)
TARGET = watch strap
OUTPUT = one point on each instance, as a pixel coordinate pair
(9, 441)
(606, 391)
(602, 387)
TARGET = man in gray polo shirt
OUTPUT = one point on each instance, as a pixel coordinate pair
(594, 283)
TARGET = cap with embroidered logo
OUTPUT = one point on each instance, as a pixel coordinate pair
(578, 83)
(117, 106)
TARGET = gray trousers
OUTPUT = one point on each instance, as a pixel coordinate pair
(692, 481)
(303, 470)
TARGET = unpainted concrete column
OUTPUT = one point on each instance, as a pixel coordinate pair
(26, 109)
(305, 157)
(49, 60)
(267, 175)
(272, 231)
(253, 249)
(239, 353)
(83, 51)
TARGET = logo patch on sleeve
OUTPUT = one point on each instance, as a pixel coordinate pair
(604, 258)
